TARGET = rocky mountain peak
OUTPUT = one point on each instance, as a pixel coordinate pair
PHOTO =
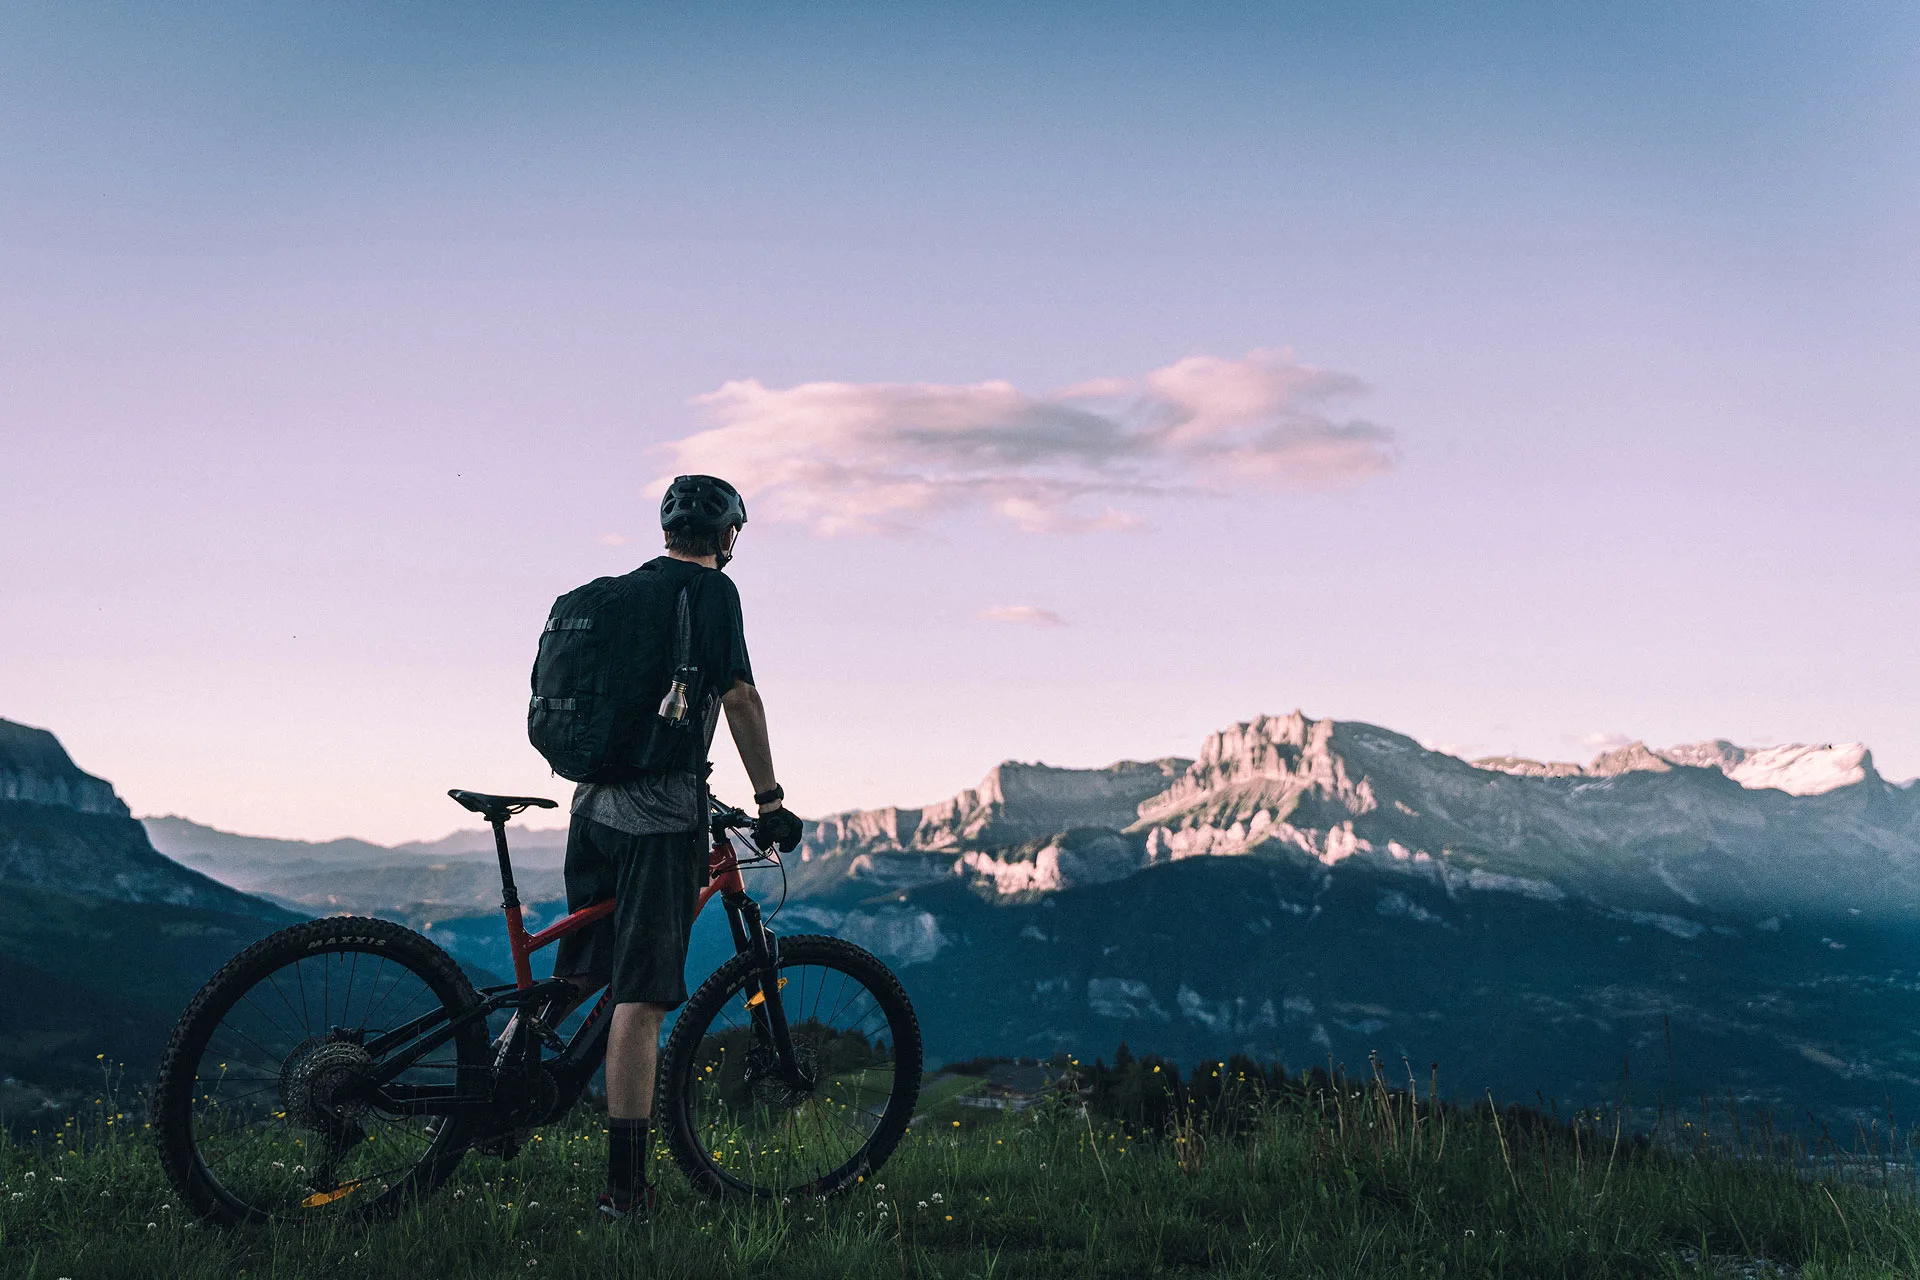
(36, 769)
(1521, 767)
(1635, 757)
(66, 830)
(1267, 763)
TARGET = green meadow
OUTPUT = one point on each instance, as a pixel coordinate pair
(1338, 1179)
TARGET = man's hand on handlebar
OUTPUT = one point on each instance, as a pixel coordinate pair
(777, 828)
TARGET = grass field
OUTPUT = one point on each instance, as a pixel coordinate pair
(1356, 1182)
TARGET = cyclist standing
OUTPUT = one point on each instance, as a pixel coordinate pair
(642, 840)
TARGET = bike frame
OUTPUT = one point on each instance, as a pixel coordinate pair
(723, 878)
(577, 1059)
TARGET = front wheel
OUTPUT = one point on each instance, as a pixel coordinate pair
(260, 1109)
(735, 1123)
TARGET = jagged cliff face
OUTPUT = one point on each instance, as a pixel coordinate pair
(1274, 779)
(1025, 801)
(66, 830)
(1017, 832)
(1013, 803)
(35, 769)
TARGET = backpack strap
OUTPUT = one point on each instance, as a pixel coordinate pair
(683, 631)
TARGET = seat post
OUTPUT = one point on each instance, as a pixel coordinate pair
(509, 895)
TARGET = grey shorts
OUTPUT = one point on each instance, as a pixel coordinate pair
(654, 881)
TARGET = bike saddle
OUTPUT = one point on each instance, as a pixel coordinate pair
(497, 808)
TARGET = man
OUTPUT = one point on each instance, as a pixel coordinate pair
(643, 841)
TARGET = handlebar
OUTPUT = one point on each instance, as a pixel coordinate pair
(726, 818)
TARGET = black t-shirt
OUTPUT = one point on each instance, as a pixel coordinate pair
(663, 803)
(719, 632)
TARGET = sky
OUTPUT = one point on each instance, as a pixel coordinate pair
(1524, 378)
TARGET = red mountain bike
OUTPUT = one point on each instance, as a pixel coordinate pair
(347, 1064)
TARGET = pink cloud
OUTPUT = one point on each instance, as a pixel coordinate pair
(861, 458)
(1023, 613)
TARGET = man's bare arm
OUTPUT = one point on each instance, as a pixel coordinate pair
(747, 719)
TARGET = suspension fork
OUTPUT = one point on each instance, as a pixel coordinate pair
(752, 938)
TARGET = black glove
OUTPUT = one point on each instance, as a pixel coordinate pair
(779, 828)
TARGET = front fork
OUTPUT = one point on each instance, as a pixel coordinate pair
(752, 938)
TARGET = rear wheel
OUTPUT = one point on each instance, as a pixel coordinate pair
(256, 1109)
(734, 1124)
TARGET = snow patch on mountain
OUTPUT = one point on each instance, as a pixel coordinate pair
(1805, 771)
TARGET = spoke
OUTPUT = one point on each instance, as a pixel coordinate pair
(400, 1015)
(375, 985)
(844, 998)
(273, 980)
(249, 1039)
(265, 1015)
(300, 976)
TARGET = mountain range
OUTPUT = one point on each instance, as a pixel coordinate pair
(1653, 926)
(416, 883)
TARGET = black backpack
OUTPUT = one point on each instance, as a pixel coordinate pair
(607, 656)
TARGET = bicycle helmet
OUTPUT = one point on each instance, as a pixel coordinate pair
(701, 503)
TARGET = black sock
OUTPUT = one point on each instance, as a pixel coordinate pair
(629, 1143)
